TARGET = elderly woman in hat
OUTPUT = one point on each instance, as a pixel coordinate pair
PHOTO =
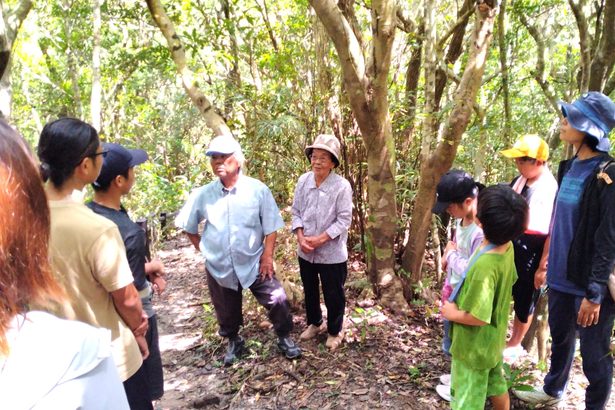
(321, 216)
(582, 255)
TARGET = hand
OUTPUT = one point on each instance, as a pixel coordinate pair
(450, 247)
(155, 267)
(142, 328)
(159, 284)
(142, 343)
(316, 241)
(540, 277)
(589, 313)
(448, 309)
(305, 247)
(266, 267)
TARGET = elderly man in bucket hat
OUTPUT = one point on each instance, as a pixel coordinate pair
(582, 255)
(237, 241)
(321, 216)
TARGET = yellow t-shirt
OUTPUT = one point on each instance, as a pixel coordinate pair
(89, 259)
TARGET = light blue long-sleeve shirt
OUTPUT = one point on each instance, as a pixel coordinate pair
(236, 222)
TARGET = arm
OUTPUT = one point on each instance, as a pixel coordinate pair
(266, 261)
(128, 305)
(195, 239)
(451, 312)
(540, 277)
(343, 218)
(296, 219)
(456, 261)
(303, 244)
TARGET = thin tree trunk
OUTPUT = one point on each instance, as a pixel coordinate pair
(213, 120)
(96, 97)
(10, 23)
(604, 58)
(504, 67)
(579, 8)
(442, 158)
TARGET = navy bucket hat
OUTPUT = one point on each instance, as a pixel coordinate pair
(593, 114)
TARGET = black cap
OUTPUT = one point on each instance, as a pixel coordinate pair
(454, 187)
(117, 161)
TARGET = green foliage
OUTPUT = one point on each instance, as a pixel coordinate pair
(518, 378)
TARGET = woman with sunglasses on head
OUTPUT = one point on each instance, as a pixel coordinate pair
(45, 362)
(87, 253)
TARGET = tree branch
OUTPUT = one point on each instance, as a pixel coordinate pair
(578, 9)
(604, 58)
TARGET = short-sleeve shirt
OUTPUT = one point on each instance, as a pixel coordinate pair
(486, 295)
(565, 221)
(324, 208)
(89, 259)
(236, 222)
(136, 249)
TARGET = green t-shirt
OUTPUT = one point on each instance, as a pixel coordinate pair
(486, 295)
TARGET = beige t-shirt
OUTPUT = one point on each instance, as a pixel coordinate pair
(88, 257)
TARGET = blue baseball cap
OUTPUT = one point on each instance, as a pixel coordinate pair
(117, 161)
(593, 114)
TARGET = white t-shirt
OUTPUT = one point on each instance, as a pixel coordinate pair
(540, 197)
(58, 364)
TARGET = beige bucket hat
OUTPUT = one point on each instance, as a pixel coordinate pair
(327, 142)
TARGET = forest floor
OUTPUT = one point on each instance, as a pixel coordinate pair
(387, 361)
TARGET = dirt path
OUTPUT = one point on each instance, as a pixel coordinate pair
(386, 362)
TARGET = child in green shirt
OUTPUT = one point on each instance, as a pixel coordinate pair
(482, 305)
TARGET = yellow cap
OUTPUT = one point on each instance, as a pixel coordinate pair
(530, 145)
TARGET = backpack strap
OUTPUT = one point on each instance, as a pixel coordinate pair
(602, 171)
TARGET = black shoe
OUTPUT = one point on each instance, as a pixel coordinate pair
(234, 350)
(289, 348)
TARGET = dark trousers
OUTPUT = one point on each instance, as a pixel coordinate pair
(137, 391)
(228, 306)
(332, 276)
(595, 348)
(153, 364)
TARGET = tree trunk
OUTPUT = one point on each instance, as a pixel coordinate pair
(442, 158)
(213, 120)
(10, 23)
(96, 97)
(504, 67)
(367, 89)
(604, 58)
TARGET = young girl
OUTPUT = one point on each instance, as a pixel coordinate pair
(456, 194)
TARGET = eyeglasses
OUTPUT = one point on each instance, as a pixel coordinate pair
(103, 153)
(526, 159)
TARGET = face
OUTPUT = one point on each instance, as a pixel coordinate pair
(224, 165)
(126, 183)
(459, 210)
(93, 164)
(569, 134)
(530, 168)
(321, 161)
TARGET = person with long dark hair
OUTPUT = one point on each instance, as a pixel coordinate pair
(45, 362)
(87, 253)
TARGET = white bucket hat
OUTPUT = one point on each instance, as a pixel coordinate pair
(327, 142)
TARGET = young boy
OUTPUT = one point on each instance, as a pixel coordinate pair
(480, 312)
(456, 194)
(537, 185)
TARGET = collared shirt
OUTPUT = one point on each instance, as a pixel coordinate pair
(237, 221)
(327, 208)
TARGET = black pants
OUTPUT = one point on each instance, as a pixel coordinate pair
(228, 306)
(332, 276)
(153, 364)
(137, 391)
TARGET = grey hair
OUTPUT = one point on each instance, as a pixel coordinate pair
(241, 159)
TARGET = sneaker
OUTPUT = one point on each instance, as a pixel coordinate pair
(513, 353)
(289, 348)
(234, 350)
(445, 379)
(333, 342)
(536, 397)
(312, 331)
(444, 392)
